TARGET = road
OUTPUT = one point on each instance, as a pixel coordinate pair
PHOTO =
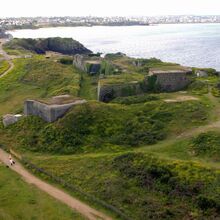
(6, 57)
(56, 193)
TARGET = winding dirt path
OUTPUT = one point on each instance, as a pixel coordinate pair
(58, 194)
(6, 57)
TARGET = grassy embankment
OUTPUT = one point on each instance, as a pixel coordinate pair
(20, 200)
(97, 170)
(126, 153)
(4, 66)
(36, 78)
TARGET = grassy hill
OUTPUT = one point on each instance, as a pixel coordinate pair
(4, 65)
(95, 126)
(20, 200)
(154, 156)
(36, 77)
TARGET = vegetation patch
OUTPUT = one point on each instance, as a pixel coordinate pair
(36, 78)
(216, 90)
(135, 99)
(207, 144)
(20, 200)
(96, 125)
(141, 186)
(4, 66)
(199, 87)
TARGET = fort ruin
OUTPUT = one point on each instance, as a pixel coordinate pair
(50, 112)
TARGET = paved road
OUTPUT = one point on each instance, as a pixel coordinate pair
(6, 57)
(58, 194)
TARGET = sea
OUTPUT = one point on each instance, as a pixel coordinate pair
(194, 45)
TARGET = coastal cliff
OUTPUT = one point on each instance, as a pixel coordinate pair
(40, 46)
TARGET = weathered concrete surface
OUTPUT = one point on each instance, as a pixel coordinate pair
(173, 80)
(10, 119)
(108, 92)
(48, 112)
(90, 65)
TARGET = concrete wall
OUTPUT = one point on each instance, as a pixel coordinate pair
(49, 113)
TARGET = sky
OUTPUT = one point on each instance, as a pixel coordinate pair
(23, 8)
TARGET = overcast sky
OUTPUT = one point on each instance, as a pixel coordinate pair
(17, 8)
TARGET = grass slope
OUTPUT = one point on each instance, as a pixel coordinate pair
(19, 200)
(4, 65)
(36, 78)
(141, 185)
(98, 126)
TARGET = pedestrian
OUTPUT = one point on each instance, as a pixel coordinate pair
(12, 162)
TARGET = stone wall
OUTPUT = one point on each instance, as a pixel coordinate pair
(78, 62)
(86, 64)
(108, 92)
(48, 113)
(171, 81)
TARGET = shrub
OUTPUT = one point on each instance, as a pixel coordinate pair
(135, 99)
(206, 144)
(198, 87)
(66, 61)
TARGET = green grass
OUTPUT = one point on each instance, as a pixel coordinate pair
(121, 79)
(88, 87)
(36, 78)
(4, 66)
(20, 200)
(94, 126)
(140, 185)
(125, 153)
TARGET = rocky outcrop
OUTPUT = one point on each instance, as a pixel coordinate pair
(61, 45)
(10, 119)
(49, 112)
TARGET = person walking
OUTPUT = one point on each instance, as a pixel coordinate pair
(11, 160)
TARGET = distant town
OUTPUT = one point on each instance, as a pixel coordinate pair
(37, 22)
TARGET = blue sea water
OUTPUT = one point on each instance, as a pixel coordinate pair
(188, 44)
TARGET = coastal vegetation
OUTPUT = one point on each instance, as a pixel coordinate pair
(152, 156)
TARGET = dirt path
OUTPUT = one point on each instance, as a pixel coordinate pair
(58, 194)
(198, 130)
(7, 58)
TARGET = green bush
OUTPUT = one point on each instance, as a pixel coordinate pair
(95, 125)
(199, 87)
(66, 61)
(207, 144)
(135, 99)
